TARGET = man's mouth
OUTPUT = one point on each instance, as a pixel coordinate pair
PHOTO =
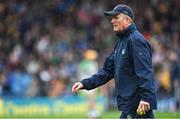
(114, 26)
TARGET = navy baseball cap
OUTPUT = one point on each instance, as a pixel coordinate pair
(121, 9)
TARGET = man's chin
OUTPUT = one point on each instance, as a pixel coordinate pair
(115, 30)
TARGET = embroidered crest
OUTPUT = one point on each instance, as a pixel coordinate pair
(123, 51)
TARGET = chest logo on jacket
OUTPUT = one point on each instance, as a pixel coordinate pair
(123, 52)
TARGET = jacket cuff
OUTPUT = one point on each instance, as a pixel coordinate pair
(84, 83)
(146, 96)
(145, 100)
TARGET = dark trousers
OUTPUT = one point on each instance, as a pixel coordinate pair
(133, 115)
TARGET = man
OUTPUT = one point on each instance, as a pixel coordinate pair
(131, 66)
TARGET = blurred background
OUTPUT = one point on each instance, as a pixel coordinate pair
(47, 45)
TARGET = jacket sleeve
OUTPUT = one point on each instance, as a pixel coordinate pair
(142, 60)
(102, 76)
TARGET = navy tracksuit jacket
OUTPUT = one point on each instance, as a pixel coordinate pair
(130, 64)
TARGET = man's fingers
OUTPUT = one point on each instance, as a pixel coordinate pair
(138, 110)
(143, 109)
(140, 106)
(79, 87)
(76, 87)
(147, 107)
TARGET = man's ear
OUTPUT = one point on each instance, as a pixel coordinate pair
(127, 21)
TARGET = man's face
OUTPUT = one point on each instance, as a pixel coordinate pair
(119, 22)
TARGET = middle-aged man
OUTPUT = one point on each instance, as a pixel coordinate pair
(130, 64)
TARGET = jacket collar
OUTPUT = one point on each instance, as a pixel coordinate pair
(127, 31)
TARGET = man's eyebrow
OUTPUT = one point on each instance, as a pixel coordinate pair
(117, 16)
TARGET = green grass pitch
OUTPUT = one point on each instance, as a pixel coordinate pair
(106, 115)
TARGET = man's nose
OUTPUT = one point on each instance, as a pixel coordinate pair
(112, 20)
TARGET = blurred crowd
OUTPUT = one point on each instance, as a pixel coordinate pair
(45, 45)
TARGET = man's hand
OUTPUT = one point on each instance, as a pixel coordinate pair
(143, 107)
(77, 86)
